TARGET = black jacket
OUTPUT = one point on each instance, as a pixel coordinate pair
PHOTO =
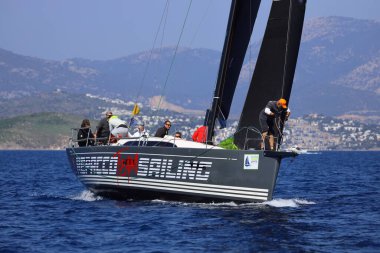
(103, 128)
(83, 134)
(272, 105)
(161, 132)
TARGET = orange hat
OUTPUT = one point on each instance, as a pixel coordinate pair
(282, 102)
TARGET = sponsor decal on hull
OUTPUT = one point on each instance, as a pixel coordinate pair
(251, 162)
(171, 173)
(126, 165)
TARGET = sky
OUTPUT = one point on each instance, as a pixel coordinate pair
(102, 30)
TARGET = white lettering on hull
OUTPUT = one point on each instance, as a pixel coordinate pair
(193, 170)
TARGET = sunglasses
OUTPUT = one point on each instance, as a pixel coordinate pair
(168, 124)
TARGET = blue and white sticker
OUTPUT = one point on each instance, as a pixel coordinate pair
(251, 162)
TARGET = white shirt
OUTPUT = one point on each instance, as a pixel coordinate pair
(139, 134)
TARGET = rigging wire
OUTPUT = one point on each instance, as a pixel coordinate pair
(175, 53)
(286, 48)
(280, 125)
(200, 23)
(151, 51)
(164, 26)
(250, 65)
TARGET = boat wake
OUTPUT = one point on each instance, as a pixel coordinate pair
(86, 196)
(274, 203)
(287, 202)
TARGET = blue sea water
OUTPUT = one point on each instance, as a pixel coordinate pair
(324, 202)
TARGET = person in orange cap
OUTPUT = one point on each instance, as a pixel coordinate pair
(273, 110)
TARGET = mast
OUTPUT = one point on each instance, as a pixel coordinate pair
(274, 71)
(239, 29)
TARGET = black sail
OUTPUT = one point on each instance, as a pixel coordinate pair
(274, 71)
(239, 29)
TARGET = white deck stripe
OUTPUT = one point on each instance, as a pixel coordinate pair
(209, 189)
(169, 187)
(192, 191)
(179, 183)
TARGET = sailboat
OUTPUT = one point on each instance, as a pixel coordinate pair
(175, 169)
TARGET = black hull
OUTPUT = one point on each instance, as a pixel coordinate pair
(181, 174)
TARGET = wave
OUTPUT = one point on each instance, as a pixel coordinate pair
(312, 153)
(197, 204)
(86, 195)
(274, 203)
(287, 202)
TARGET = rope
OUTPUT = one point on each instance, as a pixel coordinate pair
(175, 53)
(151, 51)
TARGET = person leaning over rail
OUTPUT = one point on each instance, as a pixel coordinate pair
(273, 110)
(103, 130)
(85, 136)
(162, 131)
(118, 127)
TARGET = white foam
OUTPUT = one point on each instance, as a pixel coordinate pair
(312, 153)
(217, 205)
(86, 195)
(274, 203)
(202, 205)
(225, 204)
(288, 202)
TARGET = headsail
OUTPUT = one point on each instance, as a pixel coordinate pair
(239, 29)
(275, 67)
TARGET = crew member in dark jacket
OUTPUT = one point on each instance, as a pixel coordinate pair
(103, 130)
(273, 110)
(162, 131)
(85, 136)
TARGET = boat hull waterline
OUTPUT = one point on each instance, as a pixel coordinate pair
(181, 174)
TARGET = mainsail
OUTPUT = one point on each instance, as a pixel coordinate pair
(239, 29)
(274, 71)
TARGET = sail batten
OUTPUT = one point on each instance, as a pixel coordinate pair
(274, 70)
(239, 29)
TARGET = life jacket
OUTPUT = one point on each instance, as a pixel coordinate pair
(200, 135)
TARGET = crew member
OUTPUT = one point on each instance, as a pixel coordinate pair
(200, 135)
(162, 131)
(140, 131)
(103, 130)
(118, 127)
(85, 136)
(268, 116)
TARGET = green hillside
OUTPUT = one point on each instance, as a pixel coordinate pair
(42, 130)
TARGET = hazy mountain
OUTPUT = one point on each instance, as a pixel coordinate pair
(338, 72)
(339, 69)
